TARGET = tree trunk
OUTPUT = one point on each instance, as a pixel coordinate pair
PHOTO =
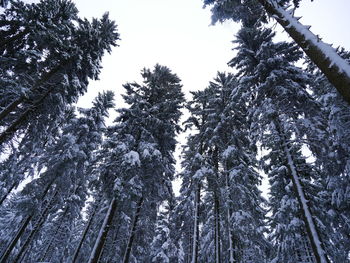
(195, 246)
(36, 228)
(46, 77)
(20, 231)
(8, 192)
(217, 229)
(86, 230)
(102, 236)
(10, 130)
(217, 208)
(229, 213)
(48, 248)
(133, 231)
(13, 242)
(311, 228)
(336, 69)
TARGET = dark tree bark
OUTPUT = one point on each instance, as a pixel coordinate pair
(36, 228)
(101, 239)
(15, 239)
(133, 231)
(195, 249)
(86, 230)
(311, 228)
(7, 193)
(20, 231)
(53, 237)
(45, 78)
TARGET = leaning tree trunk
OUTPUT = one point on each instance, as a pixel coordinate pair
(102, 236)
(7, 193)
(335, 68)
(217, 209)
(311, 228)
(86, 230)
(38, 225)
(15, 239)
(10, 130)
(44, 79)
(195, 245)
(229, 213)
(217, 228)
(133, 231)
(20, 231)
(53, 237)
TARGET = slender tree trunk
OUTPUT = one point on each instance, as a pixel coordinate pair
(36, 228)
(102, 236)
(45, 78)
(195, 245)
(15, 239)
(58, 227)
(7, 193)
(217, 229)
(229, 213)
(133, 231)
(10, 130)
(20, 231)
(311, 228)
(86, 230)
(217, 208)
(336, 69)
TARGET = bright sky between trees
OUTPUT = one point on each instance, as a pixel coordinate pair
(178, 34)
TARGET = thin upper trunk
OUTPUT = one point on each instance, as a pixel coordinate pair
(195, 245)
(10, 130)
(336, 69)
(20, 232)
(53, 237)
(133, 231)
(86, 230)
(102, 236)
(7, 193)
(45, 78)
(311, 228)
(36, 228)
(217, 208)
(15, 239)
(217, 229)
(229, 213)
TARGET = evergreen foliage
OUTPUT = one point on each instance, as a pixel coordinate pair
(74, 189)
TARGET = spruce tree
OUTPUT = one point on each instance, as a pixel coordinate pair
(48, 64)
(64, 177)
(138, 162)
(282, 115)
(336, 69)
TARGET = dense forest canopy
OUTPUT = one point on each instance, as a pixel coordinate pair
(76, 187)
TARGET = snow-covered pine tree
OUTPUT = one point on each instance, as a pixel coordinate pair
(241, 198)
(50, 66)
(64, 174)
(333, 161)
(138, 162)
(281, 111)
(195, 171)
(162, 247)
(336, 69)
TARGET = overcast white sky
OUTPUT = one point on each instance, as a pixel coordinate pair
(177, 33)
